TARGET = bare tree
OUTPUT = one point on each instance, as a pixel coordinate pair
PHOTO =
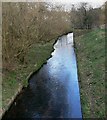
(25, 24)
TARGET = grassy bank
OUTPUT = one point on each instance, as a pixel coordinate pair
(14, 80)
(90, 50)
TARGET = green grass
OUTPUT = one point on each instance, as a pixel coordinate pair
(90, 50)
(13, 80)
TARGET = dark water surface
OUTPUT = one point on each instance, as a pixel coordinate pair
(53, 92)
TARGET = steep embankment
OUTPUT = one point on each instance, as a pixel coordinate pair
(14, 81)
(90, 49)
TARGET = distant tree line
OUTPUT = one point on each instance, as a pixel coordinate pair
(87, 17)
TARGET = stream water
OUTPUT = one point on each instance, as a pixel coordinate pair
(53, 92)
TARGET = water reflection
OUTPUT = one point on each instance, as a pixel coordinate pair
(53, 92)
